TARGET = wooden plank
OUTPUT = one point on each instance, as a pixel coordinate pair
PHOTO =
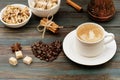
(62, 68)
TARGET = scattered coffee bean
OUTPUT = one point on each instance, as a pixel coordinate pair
(47, 52)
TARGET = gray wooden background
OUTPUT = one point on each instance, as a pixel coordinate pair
(62, 68)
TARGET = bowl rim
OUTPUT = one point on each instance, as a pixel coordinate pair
(1, 13)
(29, 3)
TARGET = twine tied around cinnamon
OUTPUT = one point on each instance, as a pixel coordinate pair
(47, 23)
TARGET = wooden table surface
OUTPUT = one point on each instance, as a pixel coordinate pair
(62, 68)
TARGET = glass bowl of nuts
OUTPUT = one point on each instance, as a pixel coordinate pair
(15, 15)
(44, 8)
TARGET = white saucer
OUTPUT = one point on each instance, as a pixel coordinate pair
(72, 51)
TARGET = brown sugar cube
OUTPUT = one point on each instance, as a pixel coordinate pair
(49, 5)
(54, 4)
(27, 60)
(54, 1)
(19, 54)
(13, 61)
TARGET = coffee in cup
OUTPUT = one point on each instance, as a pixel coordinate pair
(92, 39)
(90, 33)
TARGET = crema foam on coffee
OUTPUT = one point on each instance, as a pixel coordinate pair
(90, 33)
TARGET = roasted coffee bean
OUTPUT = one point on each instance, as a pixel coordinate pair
(47, 52)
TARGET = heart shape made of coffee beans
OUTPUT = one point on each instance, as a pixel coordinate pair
(47, 52)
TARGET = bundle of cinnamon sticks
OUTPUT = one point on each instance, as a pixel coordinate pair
(50, 25)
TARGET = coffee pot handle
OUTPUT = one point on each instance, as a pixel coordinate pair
(108, 38)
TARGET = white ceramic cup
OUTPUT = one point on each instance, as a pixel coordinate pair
(95, 48)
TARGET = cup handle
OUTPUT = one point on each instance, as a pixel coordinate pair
(108, 38)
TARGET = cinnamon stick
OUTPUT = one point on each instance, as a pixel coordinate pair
(74, 5)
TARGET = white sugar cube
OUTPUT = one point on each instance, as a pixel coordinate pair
(19, 54)
(27, 60)
(33, 4)
(13, 61)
